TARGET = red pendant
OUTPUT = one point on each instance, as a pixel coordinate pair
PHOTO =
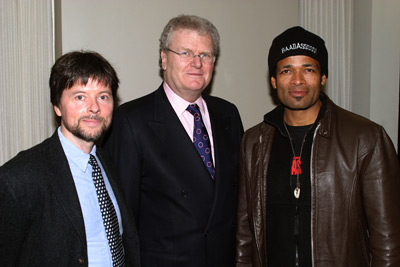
(296, 166)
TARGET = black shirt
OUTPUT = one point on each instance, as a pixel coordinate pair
(289, 218)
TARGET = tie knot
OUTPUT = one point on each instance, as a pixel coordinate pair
(193, 109)
(92, 160)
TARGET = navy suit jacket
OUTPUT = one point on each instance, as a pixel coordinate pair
(183, 217)
(41, 222)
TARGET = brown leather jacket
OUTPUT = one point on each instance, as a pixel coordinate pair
(355, 180)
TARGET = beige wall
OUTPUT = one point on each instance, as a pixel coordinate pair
(376, 61)
(127, 32)
(385, 60)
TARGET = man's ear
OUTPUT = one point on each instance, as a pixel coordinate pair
(323, 79)
(273, 82)
(57, 111)
(163, 60)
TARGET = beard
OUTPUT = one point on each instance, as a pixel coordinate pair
(85, 135)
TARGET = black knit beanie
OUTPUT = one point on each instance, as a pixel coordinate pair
(297, 41)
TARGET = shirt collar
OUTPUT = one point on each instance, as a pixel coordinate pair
(178, 103)
(74, 154)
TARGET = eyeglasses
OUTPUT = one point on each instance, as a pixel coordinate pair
(188, 55)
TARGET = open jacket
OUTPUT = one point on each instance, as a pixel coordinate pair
(355, 187)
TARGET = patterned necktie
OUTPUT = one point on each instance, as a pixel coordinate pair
(200, 138)
(110, 220)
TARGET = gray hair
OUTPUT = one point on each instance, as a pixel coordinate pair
(200, 25)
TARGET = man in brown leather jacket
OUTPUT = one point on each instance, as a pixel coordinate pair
(319, 185)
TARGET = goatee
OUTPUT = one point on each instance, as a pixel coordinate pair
(81, 134)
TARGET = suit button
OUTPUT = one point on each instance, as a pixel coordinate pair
(184, 193)
(81, 261)
(207, 233)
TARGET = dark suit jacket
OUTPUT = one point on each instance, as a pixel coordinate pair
(183, 218)
(41, 222)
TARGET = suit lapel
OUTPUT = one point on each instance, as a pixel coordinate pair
(221, 129)
(127, 218)
(63, 186)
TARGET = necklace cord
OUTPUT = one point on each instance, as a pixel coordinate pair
(297, 189)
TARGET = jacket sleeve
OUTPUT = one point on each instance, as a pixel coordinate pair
(381, 200)
(244, 235)
(12, 222)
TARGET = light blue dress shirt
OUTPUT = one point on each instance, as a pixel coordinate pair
(97, 244)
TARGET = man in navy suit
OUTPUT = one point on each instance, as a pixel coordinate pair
(185, 214)
(50, 211)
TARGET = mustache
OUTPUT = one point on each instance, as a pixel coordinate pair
(93, 117)
(300, 86)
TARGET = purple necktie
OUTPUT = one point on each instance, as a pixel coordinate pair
(200, 138)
